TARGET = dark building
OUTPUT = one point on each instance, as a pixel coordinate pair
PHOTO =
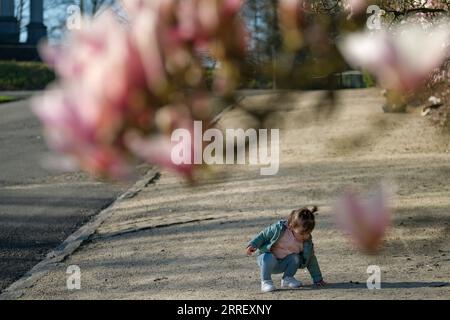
(10, 48)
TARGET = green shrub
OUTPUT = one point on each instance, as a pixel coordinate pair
(4, 99)
(369, 81)
(24, 75)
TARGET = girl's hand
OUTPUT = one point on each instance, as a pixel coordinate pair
(320, 284)
(250, 250)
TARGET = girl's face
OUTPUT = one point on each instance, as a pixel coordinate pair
(300, 234)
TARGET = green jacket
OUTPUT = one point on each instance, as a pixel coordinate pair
(267, 238)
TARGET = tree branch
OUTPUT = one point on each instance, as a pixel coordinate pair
(414, 10)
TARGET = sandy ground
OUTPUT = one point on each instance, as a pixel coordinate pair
(173, 242)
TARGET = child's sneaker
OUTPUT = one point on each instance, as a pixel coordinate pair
(267, 286)
(290, 282)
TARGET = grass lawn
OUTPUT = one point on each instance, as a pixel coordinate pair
(4, 99)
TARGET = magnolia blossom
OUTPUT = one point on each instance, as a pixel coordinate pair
(85, 113)
(355, 7)
(365, 220)
(291, 19)
(123, 89)
(158, 150)
(76, 126)
(187, 28)
(401, 58)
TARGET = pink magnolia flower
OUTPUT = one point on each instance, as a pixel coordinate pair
(97, 97)
(301, 29)
(290, 20)
(102, 92)
(365, 220)
(75, 126)
(122, 88)
(355, 7)
(177, 33)
(158, 151)
(402, 58)
(135, 7)
(210, 26)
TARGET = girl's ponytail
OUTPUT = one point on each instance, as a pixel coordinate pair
(304, 217)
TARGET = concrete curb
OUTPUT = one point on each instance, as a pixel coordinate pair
(73, 242)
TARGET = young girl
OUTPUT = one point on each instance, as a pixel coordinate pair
(286, 246)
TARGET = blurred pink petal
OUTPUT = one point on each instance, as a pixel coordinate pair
(58, 163)
(158, 151)
(365, 220)
(106, 162)
(208, 15)
(74, 126)
(134, 8)
(395, 57)
(231, 7)
(291, 16)
(355, 7)
(115, 79)
(144, 34)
